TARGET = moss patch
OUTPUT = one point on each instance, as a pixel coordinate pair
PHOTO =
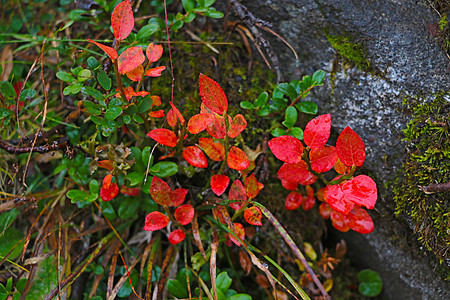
(427, 162)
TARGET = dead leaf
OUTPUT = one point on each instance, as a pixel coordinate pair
(6, 60)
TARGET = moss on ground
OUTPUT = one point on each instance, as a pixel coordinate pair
(427, 162)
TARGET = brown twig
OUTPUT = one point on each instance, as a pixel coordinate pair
(436, 188)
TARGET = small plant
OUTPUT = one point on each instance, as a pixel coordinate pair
(370, 283)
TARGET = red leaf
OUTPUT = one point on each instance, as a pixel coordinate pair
(129, 93)
(155, 72)
(337, 199)
(164, 137)
(176, 236)
(237, 192)
(155, 221)
(341, 168)
(195, 157)
(184, 214)
(154, 52)
(237, 126)
(252, 186)
(212, 95)
(361, 190)
(293, 201)
(122, 20)
(178, 196)
(350, 148)
(325, 210)
(323, 159)
(219, 184)
(239, 231)
(177, 113)
(160, 192)
(171, 118)
(291, 186)
(109, 190)
(237, 160)
(296, 173)
(199, 122)
(287, 149)
(156, 101)
(130, 59)
(253, 216)
(108, 50)
(217, 128)
(130, 191)
(156, 114)
(310, 200)
(360, 221)
(215, 150)
(317, 131)
(106, 164)
(136, 74)
(339, 221)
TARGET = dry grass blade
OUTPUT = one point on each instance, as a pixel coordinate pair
(124, 278)
(154, 248)
(112, 270)
(165, 269)
(213, 261)
(196, 234)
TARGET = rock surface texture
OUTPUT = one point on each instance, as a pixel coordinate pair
(401, 59)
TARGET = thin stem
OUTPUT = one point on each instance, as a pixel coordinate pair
(119, 80)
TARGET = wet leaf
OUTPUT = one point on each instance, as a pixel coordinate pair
(177, 113)
(237, 126)
(293, 200)
(296, 173)
(350, 148)
(323, 159)
(237, 160)
(178, 197)
(122, 20)
(339, 221)
(340, 167)
(199, 122)
(214, 150)
(337, 199)
(164, 137)
(309, 201)
(176, 236)
(253, 216)
(155, 221)
(195, 157)
(360, 221)
(290, 186)
(361, 190)
(184, 214)
(325, 210)
(154, 52)
(219, 184)
(287, 149)
(155, 72)
(130, 59)
(237, 192)
(245, 262)
(317, 131)
(212, 95)
(109, 189)
(108, 50)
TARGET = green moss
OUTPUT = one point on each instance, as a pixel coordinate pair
(427, 162)
(352, 51)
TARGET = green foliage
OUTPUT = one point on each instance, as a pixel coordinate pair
(352, 51)
(370, 283)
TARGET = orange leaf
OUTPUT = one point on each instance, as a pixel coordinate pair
(317, 131)
(155, 221)
(237, 192)
(177, 113)
(155, 72)
(237, 126)
(184, 214)
(217, 128)
(215, 150)
(219, 184)
(136, 74)
(286, 148)
(171, 118)
(341, 168)
(156, 101)
(154, 52)
(156, 113)
(106, 164)
(212, 95)
(237, 160)
(296, 173)
(164, 137)
(195, 157)
(252, 186)
(253, 216)
(176, 236)
(122, 20)
(239, 231)
(199, 122)
(108, 50)
(350, 148)
(130, 59)
(130, 191)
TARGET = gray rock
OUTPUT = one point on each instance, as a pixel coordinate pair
(405, 61)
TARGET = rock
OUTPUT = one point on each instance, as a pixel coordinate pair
(390, 55)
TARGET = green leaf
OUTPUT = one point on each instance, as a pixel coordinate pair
(77, 195)
(76, 70)
(307, 107)
(144, 104)
(92, 108)
(138, 119)
(371, 284)
(278, 132)
(262, 99)
(27, 94)
(277, 93)
(181, 277)
(93, 63)
(104, 80)
(318, 77)
(7, 90)
(164, 169)
(306, 82)
(108, 127)
(177, 289)
(290, 117)
(247, 105)
(6, 218)
(288, 90)
(147, 31)
(131, 109)
(126, 289)
(240, 297)
(177, 25)
(66, 77)
(135, 178)
(10, 238)
(127, 119)
(223, 281)
(98, 270)
(5, 113)
(113, 112)
(188, 5)
(46, 272)
(146, 156)
(94, 186)
(297, 133)
(278, 104)
(116, 102)
(84, 75)
(73, 89)
(90, 91)
(264, 111)
(108, 210)
(212, 13)
(128, 207)
(20, 286)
